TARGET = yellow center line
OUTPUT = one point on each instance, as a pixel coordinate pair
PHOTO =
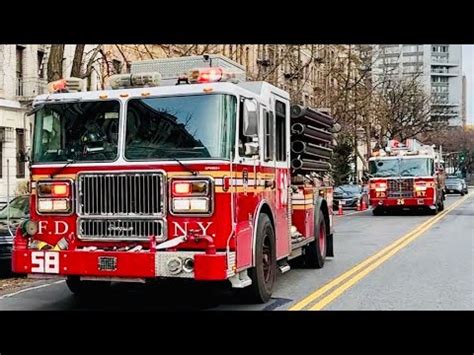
(399, 243)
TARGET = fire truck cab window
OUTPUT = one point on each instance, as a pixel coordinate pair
(407, 167)
(184, 127)
(268, 134)
(79, 131)
(280, 133)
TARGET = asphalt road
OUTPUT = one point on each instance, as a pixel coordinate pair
(393, 262)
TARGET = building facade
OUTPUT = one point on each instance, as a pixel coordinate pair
(464, 101)
(302, 70)
(22, 77)
(439, 68)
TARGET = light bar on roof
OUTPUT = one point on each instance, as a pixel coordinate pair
(66, 85)
(210, 75)
(123, 81)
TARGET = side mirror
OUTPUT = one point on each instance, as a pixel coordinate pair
(251, 149)
(250, 118)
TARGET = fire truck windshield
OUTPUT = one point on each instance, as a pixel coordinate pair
(76, 131)
(184, 127)
(402, 167)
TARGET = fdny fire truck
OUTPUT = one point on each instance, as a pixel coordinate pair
(181, 169)
(406, 176)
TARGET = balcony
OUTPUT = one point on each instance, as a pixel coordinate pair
(443, 59)
(28, 88)
(444, 72)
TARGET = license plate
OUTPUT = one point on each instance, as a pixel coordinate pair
(343, 202)
(451, 190)
(107, 263)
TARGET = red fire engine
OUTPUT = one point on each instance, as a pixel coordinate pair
(406, 176)
(198, 176)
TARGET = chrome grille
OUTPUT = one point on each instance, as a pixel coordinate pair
(120, 229)
(400, 188)
(121, 194)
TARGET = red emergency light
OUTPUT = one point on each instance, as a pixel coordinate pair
(209, 75)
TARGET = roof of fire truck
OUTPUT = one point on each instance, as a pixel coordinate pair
(411, 150)
(167, 79)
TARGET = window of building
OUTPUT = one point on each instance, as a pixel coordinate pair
(20, 151)
(40, 56)
(2, 139)
(440, 49)
(19, 69)
(280, 132)
(439, 79)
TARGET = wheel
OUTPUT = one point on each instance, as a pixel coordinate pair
(434, 211)
(263, 275)
(86, 288)
(315, 252)
(461, 193)
(377, 211)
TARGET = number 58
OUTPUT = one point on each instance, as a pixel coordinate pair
(45, 262)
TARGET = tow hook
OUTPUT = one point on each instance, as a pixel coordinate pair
(211, 248)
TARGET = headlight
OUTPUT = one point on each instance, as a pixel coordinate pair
(54, 196)
(48, 205)
(192, 205)
(191, 196)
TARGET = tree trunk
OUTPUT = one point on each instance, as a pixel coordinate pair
(77, 62)
(55, 62)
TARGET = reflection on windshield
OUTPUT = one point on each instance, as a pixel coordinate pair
(18, 208)
(200, 126)
(384, 168)
(76, 131)
(347, 189)
(402, 167)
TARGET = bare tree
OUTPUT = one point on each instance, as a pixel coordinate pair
(404, 109)
(76, 70)
(55, 62)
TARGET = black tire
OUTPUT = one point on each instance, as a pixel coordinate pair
(377, 211)
(86, 288)
(435, 211)
(316, 251)
(462, 193)
(263, 275)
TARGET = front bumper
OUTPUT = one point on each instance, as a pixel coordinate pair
(402, 202)
(453, 190)
(108, 264)
(351, 202)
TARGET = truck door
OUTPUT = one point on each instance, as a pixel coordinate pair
(281, 125)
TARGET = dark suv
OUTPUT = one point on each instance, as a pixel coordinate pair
(455, 185)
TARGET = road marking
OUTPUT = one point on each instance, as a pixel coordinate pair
(352, 274)
(29, 289)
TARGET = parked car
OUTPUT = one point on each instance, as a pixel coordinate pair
(349, 195)
(455, 185)
(16, 212)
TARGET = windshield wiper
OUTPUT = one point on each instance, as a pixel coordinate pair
(58, 170)
(184, 166)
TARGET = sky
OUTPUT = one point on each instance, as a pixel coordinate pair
(468, 70)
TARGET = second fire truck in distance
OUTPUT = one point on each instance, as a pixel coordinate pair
(406, 176)
(198, 176)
